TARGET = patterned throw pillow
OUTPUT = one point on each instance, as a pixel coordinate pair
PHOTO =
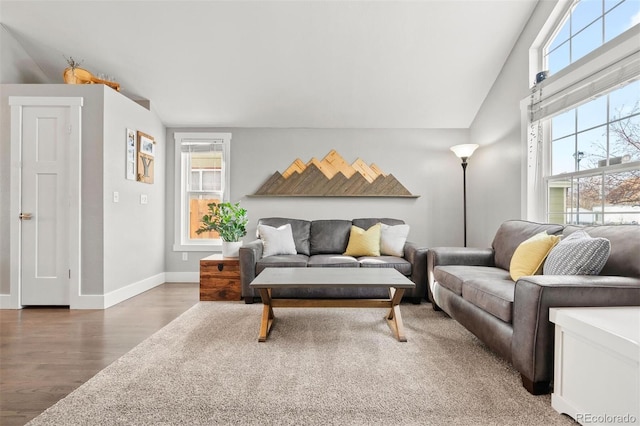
(364, 243)
(578, 254)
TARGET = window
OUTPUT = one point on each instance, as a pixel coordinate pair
(589, 25)
(202, 177)
(595, 161)
(582, 125)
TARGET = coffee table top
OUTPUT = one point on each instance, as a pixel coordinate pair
(331, 277)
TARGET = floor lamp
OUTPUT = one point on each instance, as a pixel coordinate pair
(463, 152)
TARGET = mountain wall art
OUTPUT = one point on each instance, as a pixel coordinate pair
(333, 177)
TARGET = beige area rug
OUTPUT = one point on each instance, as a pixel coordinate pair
(318, 367)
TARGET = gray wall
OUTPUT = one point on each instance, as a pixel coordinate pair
(15, 65)
(121, 243)
(133, 232)
(494, 180)
(419, 159)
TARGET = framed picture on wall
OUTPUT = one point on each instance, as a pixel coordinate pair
(131, 161)
(146, 156)
(147, 144)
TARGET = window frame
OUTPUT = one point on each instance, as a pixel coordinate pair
(181, 240)
(613, 64)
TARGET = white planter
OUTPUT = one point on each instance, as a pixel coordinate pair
(231, 249)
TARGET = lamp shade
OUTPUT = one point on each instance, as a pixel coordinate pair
(464, 150)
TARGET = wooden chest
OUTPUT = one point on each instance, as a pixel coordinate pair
(220, 278)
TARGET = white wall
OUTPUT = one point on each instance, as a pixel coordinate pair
(494, 173)
(419, 159)
(15, 65)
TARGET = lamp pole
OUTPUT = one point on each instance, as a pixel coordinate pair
(464, 197)
(464, 152)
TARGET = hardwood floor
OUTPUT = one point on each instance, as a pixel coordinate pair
(45, 353)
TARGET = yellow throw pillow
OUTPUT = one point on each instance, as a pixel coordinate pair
(364, 243)
(530, 255)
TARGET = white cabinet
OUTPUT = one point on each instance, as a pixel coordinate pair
(596, 377)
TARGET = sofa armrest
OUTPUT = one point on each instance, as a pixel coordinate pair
(533, 333)
(417, 256)
(438, 256)
(461, 256)
(249, 254)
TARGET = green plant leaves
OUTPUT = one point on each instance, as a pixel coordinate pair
(228, 220)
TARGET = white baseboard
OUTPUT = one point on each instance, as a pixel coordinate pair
(87, 301)
(7, 301)
(98, 301)
(124, 293)
(182, 277)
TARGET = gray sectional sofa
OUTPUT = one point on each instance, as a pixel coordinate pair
(321, 243)
(474, 287)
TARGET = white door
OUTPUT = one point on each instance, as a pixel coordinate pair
(45, 205)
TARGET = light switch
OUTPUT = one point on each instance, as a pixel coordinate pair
(143, 199)
(116, 196)
(185, 256)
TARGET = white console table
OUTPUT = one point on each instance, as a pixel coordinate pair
(596, 375)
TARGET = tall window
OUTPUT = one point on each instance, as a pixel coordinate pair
(202, 175)
(595, 159)
(590, 24)
(583, 161)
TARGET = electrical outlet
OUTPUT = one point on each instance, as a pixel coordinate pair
(144, 199)
(116, 196)
(185, 256)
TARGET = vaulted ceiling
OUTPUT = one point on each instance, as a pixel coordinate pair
(335, 64)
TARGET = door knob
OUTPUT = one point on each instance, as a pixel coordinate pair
(25, 216)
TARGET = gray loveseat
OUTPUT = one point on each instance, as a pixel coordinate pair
(474, 287)
(320, 243)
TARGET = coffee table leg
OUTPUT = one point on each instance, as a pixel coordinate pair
(394, 319)
(267, 315)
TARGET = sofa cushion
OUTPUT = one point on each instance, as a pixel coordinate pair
(531, 254)
(332, 261)
(398, 263)
(578, 254)
(282, 261)
(329, 236)
(393, 239)
(301, 230)
(452, 276)
(494, 295)
(625, 246)
(364, 242)
(276, 240)
(513, 232)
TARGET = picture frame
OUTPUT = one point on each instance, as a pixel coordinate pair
(131, 161)
(146, 157)
(147, 144)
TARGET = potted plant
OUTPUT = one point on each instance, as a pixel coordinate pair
(230, 222)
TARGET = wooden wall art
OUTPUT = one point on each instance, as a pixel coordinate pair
(333, 177)
(146, 157)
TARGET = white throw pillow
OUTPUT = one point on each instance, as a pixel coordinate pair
(392, 239)
(277, 240)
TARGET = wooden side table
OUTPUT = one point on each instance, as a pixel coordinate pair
(220, 278)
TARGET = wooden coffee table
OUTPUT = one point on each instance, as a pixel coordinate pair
(271, 278)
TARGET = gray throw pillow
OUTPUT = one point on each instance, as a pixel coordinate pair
(578, 254)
